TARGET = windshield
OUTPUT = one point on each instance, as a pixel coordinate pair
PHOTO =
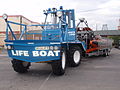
(51, 21)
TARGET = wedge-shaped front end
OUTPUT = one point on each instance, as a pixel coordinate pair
(34, 51)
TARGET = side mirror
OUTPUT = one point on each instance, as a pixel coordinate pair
(59, 14)
(82, 19)
(5, 16)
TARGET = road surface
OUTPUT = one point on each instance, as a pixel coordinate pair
(94, 73)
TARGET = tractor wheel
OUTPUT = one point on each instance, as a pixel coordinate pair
(108, 52)
(20, 66)
(104, 53)
(75, 56)
(59, 66)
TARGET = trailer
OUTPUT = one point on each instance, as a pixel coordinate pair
(96, 45)
(60, 45)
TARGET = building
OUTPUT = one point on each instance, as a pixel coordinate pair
(17, 28)
(119, 25)
(106, 33)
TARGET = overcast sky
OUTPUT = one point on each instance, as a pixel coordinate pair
(96, 12)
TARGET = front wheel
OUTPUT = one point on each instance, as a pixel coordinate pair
(75, 56)
(20, 66)
(59, 66)
(106, 52)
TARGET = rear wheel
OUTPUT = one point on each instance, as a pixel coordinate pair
(20, 66)
(105, 53)
(59, 66)
(108, 52)
(75, 56)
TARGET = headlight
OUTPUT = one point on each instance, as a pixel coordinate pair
(42, 48)
(51, 48)
(59, 13)
(56, 47)
(82, 19)
(9, 47)
(5, 16)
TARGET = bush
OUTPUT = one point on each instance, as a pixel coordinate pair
(116, 40)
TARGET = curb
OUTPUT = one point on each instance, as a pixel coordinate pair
(3, 54)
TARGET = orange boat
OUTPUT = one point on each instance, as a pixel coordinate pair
(96, 45)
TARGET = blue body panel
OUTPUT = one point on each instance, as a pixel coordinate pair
(23, 50)
(51, 34)
(55, 36)
(27, 47)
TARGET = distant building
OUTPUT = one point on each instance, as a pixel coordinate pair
(17, 28)
(106, 33)
(104, 27)
(119, 25)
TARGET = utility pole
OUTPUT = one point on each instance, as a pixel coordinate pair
(20, 23)
(96, 27)
(119, 25)
(104, 27)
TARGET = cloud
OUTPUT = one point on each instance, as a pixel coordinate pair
(95, 11)
(105, 12)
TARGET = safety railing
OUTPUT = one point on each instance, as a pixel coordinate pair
(26, 33)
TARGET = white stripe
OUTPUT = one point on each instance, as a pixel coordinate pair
(9, 42)
(31, 43)
(3, 55)
(54, 43)
(45, 81)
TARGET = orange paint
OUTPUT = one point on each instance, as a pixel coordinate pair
(91, 49)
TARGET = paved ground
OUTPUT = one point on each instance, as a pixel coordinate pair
(95, 73)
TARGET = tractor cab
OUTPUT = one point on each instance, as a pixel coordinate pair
(59, 25)
(35, 45)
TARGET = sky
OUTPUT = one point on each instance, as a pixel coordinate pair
(96, 12)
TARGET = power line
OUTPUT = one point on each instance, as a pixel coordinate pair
(96, 9)
(92, 10)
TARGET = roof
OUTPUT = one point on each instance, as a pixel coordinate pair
(23, 17)
(107, 32)
(103, 32)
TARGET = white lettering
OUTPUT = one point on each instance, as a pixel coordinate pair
(56, 53)
(35, 53)
(26, 53)
(50, 53)
(13, 53)
(19, 53)
(43, 53)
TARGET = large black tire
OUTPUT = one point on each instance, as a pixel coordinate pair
(59, 66)
(108, 52)
(20, 66)
(75, 56)
(105, 53)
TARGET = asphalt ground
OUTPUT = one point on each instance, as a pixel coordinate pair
(94, 73)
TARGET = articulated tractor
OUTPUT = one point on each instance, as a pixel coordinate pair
(60, 42)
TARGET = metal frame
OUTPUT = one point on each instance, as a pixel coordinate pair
(67, 36)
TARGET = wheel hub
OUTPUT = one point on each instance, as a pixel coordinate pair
(76, 56)
(25, 64)
(63, 61)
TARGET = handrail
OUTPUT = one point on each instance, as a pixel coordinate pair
(32, 25)
(24, 29)
(16, 23)
(44, 25)
(10, 30)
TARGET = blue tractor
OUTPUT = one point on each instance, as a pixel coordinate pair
(58, 45)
